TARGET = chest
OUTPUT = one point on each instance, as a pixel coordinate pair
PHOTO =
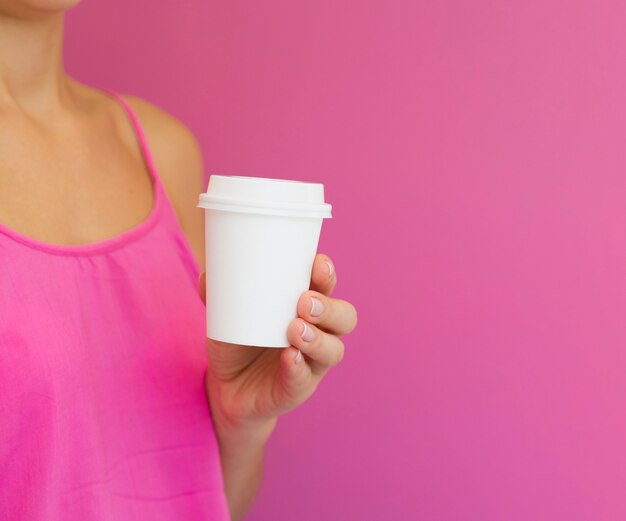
(70, 185)
(102, 324)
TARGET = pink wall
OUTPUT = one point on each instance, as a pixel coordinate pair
(474, 152)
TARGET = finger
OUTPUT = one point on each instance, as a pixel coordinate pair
(202, 286)
(295, 383)
(322, 349)
(330, 314)
(323, 276)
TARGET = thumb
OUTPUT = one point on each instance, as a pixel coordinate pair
(295, 380)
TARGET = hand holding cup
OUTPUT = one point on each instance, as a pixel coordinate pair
(249, 387)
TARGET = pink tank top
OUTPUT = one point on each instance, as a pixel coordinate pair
(103, 412)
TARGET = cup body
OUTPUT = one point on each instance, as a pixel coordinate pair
(259, 260)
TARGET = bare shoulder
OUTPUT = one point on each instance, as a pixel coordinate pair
(175, 148)
(178, 158)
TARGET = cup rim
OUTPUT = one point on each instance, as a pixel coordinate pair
(316, 210)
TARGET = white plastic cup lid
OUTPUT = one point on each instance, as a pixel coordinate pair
(265, 196)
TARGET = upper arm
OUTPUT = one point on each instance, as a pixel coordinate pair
(178, 159)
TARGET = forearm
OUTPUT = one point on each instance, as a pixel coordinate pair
(242, 453)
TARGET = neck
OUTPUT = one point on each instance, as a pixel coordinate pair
(31, 64)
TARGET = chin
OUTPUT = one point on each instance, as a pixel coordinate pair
(35, 8)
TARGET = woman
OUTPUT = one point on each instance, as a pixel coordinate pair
(108, 407)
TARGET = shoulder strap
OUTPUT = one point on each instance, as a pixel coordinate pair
(141, 137)
(159, 189)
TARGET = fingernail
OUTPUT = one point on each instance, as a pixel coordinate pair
(307, 333)
(298, 358)
(331, 269)
(317, 308)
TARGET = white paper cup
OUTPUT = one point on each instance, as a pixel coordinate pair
(261, 240)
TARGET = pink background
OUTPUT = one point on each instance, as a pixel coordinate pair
(474, 152)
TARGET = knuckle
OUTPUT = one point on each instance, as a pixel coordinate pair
(355, 318)
(350, 318)
(339, 353)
